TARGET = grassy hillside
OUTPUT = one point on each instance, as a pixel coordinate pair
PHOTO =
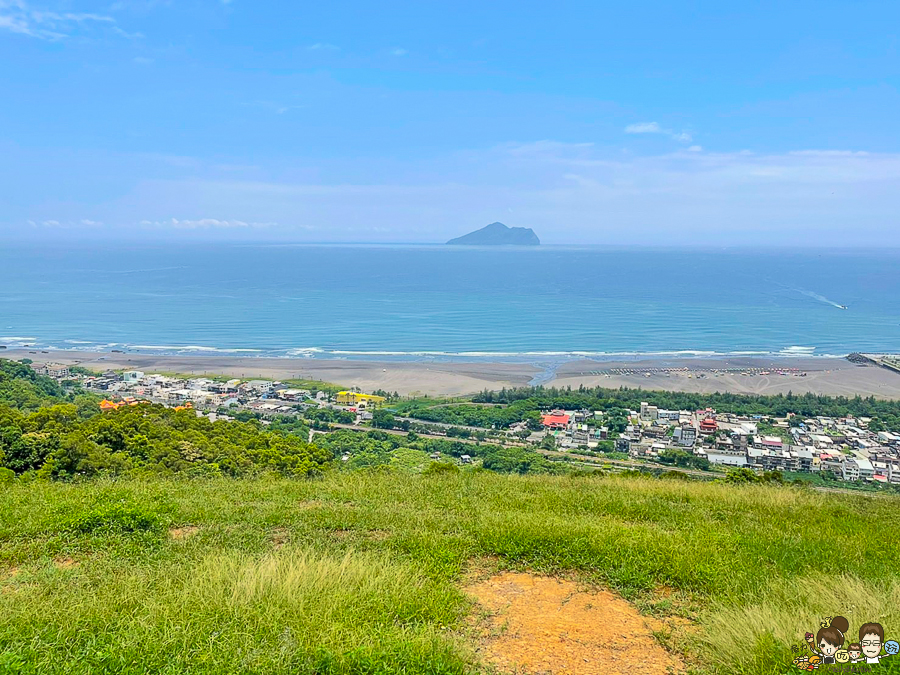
(360, 572)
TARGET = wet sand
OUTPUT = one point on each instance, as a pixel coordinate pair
(823, 375)
(833, 377)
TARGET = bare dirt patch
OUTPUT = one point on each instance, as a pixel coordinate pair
(545, 626)
(182, 533)
(65, 563)
(371, 535)
(279, 536)
(9, 574)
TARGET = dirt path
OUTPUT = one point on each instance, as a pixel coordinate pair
(546, 626)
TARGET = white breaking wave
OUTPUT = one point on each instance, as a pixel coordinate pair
(680, 353)
(528, 355)
(799, 351)
(191, 348)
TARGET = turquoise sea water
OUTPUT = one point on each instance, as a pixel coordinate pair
(448, 302)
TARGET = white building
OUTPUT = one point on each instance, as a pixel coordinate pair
(649, 413)
(726, 460)
(52, 370)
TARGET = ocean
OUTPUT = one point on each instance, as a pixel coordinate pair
(440, 302)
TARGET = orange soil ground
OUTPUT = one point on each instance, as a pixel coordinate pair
(542, 626)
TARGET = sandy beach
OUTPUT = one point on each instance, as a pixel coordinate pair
(742, 375)
(434, 379)
(830, 376)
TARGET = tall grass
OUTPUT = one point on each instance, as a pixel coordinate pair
(360, 572)
(285, 612)
(755, 637)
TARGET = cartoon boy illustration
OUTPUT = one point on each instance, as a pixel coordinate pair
(871, 638)
(855, 652)
(830, 638)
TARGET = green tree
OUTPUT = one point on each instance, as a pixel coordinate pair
(382, 419)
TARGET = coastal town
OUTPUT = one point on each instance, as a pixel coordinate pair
(845, 447)
(849, 449)
(265, 397)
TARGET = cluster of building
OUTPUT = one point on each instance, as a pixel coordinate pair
(845, 447)
(573, 428)
(265, 397)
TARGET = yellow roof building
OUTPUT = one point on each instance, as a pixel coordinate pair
(353, 398)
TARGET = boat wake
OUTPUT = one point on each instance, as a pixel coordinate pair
(820, 298)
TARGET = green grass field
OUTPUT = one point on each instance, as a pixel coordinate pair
(361, 572)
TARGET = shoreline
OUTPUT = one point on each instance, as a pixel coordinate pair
(832, 376)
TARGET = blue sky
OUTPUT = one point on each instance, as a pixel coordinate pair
(726, 123)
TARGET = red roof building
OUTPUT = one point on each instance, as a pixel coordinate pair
(555, 421)
(708, 426)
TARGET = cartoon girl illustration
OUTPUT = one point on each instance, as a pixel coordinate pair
(855, 651)
(830, 638)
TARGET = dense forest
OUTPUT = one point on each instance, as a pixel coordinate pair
(473, 415)
(23, 389)
(778, 405)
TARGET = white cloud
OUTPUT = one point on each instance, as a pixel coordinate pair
(143, 60)
(125, 34)
(322, 46)
(277, 108)
(695, 148)
(643, 128)
(399, 51)
(16, 16)
(54, 223)
(202, 224)
(655, 128)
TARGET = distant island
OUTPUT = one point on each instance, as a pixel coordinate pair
(498, 234)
